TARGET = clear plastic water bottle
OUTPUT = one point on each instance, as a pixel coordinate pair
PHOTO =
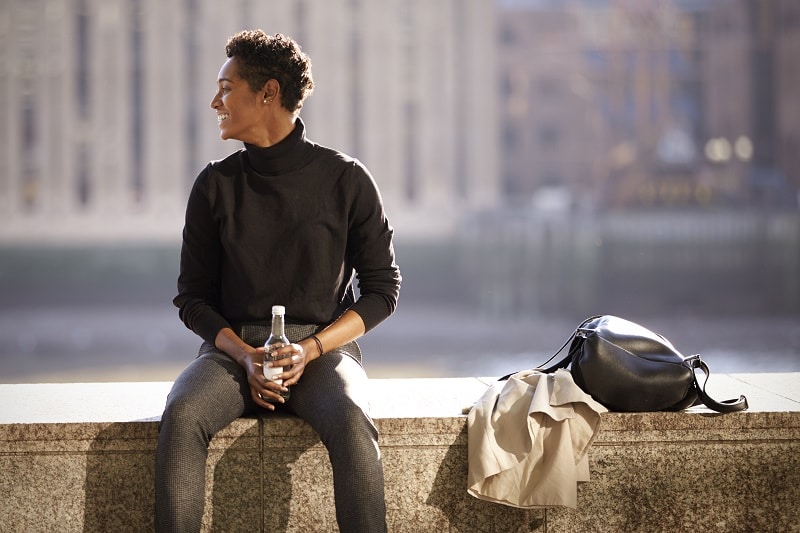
(277, 339)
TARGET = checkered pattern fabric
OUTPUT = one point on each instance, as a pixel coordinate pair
(212, 392)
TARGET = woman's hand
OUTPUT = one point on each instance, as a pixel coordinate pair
(293, 359)
(263, 391)
(295, 356)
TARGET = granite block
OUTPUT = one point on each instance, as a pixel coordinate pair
(80, 457)
(62, 403)
(426, 491)
(298, 490)
(42, 492)
(118, 489)
(233, 478)
(672, 486)
(778, 386)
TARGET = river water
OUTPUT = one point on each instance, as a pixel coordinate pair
(106, 315)
(140, 342)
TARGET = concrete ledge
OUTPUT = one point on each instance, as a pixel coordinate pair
(79, 457)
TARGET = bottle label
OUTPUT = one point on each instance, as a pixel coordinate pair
(271, 372)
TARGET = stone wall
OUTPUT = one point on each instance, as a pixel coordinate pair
(80, 457)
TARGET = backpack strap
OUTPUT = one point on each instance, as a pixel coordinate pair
(563, 363)
(727, 406)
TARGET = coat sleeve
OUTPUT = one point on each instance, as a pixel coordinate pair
(198, 280)
(371, 251)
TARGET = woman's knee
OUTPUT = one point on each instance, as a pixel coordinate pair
(351, 428)
(182, 414)
(193, 412)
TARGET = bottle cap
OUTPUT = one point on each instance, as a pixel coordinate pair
(278, 310)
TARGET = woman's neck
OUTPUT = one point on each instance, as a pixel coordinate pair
(276, 131)
(285, 154)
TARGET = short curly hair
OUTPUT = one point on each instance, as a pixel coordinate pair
(261, 57)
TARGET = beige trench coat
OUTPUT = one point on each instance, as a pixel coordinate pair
(528, 440)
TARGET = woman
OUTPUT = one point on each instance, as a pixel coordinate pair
(282, 221)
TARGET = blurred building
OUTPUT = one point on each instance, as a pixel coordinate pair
(455, 105)
(752, 108)
(651, 103)
(612, 96)
(552, 130)
(107, 120)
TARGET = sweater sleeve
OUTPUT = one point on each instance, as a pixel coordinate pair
(371, 250)
(198, 285)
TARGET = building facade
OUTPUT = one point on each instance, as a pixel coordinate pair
(108, 118)
(752, 126)
(456, 106)
(639, 104)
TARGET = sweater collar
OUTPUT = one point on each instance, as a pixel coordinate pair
(290, 153)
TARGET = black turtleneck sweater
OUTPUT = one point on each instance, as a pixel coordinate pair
(285, 225)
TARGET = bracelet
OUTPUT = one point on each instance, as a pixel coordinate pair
(318, 343)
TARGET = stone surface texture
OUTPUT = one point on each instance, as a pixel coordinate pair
(80, 457)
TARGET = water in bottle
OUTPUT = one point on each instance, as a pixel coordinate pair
(277, 339)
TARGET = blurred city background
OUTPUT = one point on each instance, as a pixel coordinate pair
(541, 162)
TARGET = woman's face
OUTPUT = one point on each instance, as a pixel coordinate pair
(239, 114)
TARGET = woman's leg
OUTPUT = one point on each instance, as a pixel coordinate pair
(207, 396)
(332, 397)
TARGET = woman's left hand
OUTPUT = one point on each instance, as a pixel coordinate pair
(293, 360)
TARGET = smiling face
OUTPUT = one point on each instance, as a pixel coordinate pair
(240, 113)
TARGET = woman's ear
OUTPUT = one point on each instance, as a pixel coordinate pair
(270, 90)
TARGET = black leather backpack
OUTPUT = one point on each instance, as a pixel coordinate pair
(627, 367)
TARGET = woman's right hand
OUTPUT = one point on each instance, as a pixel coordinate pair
(263, 391)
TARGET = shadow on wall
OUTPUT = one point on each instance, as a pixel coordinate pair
(467, 513)
(243, 495)
(120, 473)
